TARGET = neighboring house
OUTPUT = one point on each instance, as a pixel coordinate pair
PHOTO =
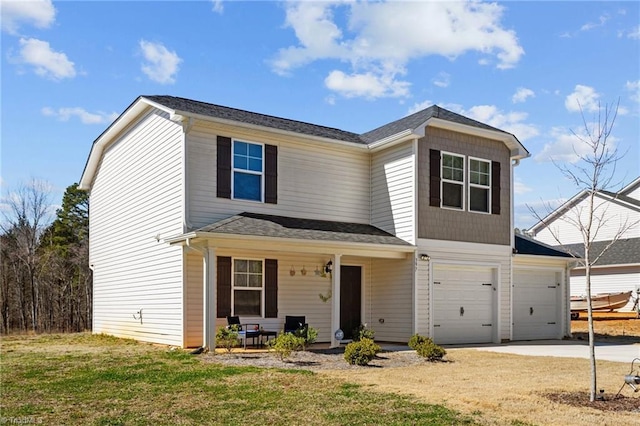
(200, 211)
(619, 267)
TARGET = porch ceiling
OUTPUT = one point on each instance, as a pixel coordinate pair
(280, 233)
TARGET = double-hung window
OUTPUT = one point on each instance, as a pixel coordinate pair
(248, 285)
(248, 167)
(452, 181)
(479, 185)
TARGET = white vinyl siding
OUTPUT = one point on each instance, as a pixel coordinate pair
(193, 299)
(393, 191)
(315, 180)
(390, 299)
(615, 215)
(136, 199)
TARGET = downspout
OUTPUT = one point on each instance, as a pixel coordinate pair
(208, 256)
(514, 163)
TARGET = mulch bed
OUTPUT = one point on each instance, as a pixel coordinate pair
(610, 403)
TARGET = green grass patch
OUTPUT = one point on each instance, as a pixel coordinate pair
(101, 380)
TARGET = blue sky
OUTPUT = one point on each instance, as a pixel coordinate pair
(69, 68)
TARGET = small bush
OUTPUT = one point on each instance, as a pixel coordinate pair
(430, 351)
(361, 352)
(416, 340)
(362, 332)
(310, 337)
(286, 343)
(227, 337)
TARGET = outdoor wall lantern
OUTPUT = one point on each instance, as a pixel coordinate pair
(424, 256)
(327, 267)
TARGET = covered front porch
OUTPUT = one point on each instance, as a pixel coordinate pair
(263, 268)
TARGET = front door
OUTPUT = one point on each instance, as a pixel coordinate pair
(350, 299)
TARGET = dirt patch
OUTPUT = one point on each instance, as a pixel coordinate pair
(607, 403)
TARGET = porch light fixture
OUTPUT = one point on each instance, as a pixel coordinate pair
(327, 267)
(424, 256)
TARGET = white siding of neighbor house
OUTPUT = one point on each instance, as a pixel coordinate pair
(390, 298)
(608, 280)
(137, 196)
(451, 253)
(614, 214)
(316, 180)
(393, 191)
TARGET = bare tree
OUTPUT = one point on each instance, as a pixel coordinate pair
(26, 218)
(593, 173)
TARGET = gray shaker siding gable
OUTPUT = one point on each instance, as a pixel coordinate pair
(455, 225)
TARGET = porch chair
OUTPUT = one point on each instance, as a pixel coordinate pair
(296, 325)
(245, 331)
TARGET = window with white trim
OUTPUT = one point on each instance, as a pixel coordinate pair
(248, 285)
(452, 181)
(248, 170)
(479, 185)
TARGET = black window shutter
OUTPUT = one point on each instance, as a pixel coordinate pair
(495, 187)
(271, 174)
(434, 177)
(271, 288)
(224, 167)
(223, 296)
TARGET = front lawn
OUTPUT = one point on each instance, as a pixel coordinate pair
(85, 379)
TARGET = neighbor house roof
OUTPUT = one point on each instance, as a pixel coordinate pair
(526, 245)
(622, 252)
(263, 225)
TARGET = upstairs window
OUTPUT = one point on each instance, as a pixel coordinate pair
(452, 181)
(479, 185)
(247, 287)
(248, 169)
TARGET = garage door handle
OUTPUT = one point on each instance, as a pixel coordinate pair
(461, 311)
(531, 311)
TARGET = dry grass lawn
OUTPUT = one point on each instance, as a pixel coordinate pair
(503, 389)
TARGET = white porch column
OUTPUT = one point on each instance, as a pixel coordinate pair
(335, 300)
(209, 299)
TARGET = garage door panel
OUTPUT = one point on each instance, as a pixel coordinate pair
(463, 304)
(536, 299)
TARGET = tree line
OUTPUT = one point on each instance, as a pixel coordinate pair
(45, 280)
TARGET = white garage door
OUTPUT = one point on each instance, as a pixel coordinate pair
(536, 297)
(463, 304)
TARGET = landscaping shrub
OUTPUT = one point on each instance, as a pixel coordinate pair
(362, 332)
(309, 337)
(416, 340)
(286, 343)
(227, 337)
(361, 352)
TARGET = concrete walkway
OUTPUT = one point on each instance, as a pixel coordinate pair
(618, 352)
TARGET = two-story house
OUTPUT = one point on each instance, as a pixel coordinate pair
(200, 211)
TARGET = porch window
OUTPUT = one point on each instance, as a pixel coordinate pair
(452, 181)
(479, 185)
(248, 285)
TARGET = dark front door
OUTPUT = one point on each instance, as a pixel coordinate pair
(350, 299)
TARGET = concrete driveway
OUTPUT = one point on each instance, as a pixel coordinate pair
(618, 352)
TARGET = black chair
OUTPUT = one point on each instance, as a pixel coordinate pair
(296, 325)
(245, 331)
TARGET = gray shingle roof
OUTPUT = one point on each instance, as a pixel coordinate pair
(526, 245)
(305, 229)
(414, 120)
(227, 113)
(622, 252)
(410, 122)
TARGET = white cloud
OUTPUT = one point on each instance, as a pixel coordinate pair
(443, 79)
(602, 19)
(39, 13)
(65, 114)
(634, 33)
(47, 62)
(512, 122)
(217, 6)
(567, 146)
(161, 64)
(419, 106)
(583, 98)
(520, 188)
(634, 88)
(378, 49)
(522, 94)
(366, 85)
